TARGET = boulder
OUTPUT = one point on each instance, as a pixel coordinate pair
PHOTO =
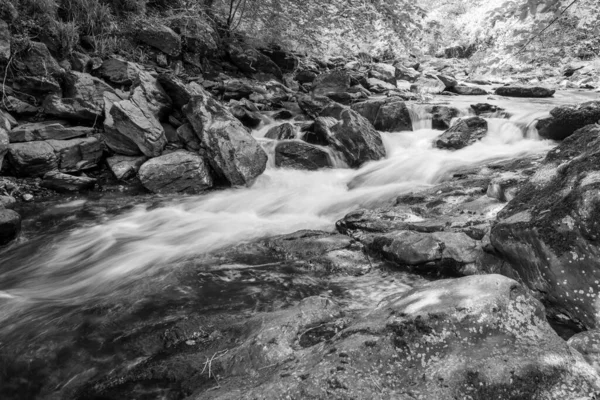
(19, 107)
(313, 105)
(61, 182)
(119, 71)
(300, 155)
(188, 138)
(449, 81)
(113, 139)
(305, 76)
(549, 232)
(521, 91)
(352, 135)
(460, 51)
(337, 81)
(406, 74)
(249, 118)
(4, 142)
(487, 109)
(160, 37)
(252, 62)
(140, 126)
(148, 94)
(232, 152)
(86, 87)
(178, 172)
(283, 114)
(10, 225)
(384, 72)
(179, 92)
(565, 120)
(74, 109)
(386, 114)
(7, 202)
(463, 133)
(76, 155)
(32, 158)
(47, 130)
(442, 116)
(281, 132)
(36, 61)
(427, 83)
(125, 167)
(4, 42)
(469, 90)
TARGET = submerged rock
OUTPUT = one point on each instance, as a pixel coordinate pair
(178, 172)
(463, 133)
(521, 91)
(565, 120)
(300, 155)
(549, 232)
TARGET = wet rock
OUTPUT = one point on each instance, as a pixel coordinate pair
(179, 92)
(331, 83)
(32, 158)
(47, 130)
(139, 126)
(178, 172)
(232, 152)
(119, 71)
(464, 133)
(36, 61)
(313, 105)
(160, 37)
(389, 114)
(521, 91)
(74, 109)
(406, 74)
(251, 61)
(442, 116)
(486, 109)
(125, 167)
(283, 114)
(449, 81)
(4, 42)
(300, 155)
(281, 132)
(10, 225)
(352, 135)
(384, 72)
(148, 94)
(249, 118)
(469, 90)
(61, 182)
(113, 139)
(548, 233)
(565, 120)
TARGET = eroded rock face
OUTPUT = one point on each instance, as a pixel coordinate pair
(300, 155)
(113, 139)
(463, 133)
(521, 91)
(550, 230)
(565, 120)
(178, 172)
(231, 150)
(469, 90)
(352, 135)
(162, 38)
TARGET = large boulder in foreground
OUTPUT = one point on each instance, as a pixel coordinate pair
(484, 336)
(178, 172)
(300, 155)
(351, 134)
(522, 91)
(10, 225)
(463, 133)
(231, 150)
(549, 233)
(564, 120)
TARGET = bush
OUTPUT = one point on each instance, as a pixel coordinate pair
(91, 16)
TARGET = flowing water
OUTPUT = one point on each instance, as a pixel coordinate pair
(107, 258)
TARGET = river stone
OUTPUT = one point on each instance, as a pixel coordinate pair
(482, 335)
(232, 152)
(469, 90)
(463, 133)
(119, 71)
(300, 155)
(486, 109)
(76, 154)
(61, 182)
(442, 116)
(305, 76)
(352, 135)
(393, 116)
(10, 225)
(427, 83)
(313, 105)
(7, 202)
(251, 61)
(139, 126)
(281, 132)
(125, 167)
(4, 42)
(178, 172)
(521, 91)
(75, 109)
(549, 232)
(32, 158)
(160, 37)
(449, 81)
(47, 130)
(565, 120)
(148, 94)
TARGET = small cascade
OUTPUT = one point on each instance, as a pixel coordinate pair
(420, 117)
(268, 146)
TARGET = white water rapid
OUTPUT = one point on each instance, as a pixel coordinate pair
(93, 261)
